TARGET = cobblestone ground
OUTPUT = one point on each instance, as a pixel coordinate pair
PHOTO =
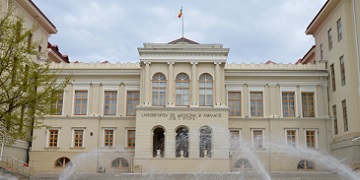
(197, 176)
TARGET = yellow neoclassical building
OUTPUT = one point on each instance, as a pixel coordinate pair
(182, 108)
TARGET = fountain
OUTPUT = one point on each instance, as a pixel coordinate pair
(334, 169)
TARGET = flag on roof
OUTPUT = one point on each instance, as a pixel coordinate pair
(180, 13)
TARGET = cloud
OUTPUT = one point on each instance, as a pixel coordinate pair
(255, 31)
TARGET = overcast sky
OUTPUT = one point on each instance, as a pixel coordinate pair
(254, 30)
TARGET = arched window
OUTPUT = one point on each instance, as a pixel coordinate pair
(63, 162)
(158, 89)
(182, 89)
(158, 142)
(243, 164)
(206, 90)
(182, 142)
(205, 141)
(305, 164)
(120, 163)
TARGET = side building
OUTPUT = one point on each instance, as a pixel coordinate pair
(182, 108)
(336, 30)
(32, 17)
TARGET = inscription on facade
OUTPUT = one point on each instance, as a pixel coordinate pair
(181, 116)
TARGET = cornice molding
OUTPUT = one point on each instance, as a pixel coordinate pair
(95, 65)
(271, 66)
(182, 54)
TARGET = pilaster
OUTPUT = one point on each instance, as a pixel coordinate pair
(147, 84)
(194, 87)
(217, 84)
(170, 94)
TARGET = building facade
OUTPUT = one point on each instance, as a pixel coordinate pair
(336, 30)
(34, 19)
(182, 108)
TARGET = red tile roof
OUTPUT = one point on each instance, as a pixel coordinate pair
(55, 49)
(270, 62)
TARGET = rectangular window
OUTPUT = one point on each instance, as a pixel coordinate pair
(29, 41)
(308, 104)
(81, 98)
(131, 138)
(291, 141)
(110, 103)
(256, 104)
(234, 139)
(336, 130)
(332, 73)
(339, 30)
(310, 139)
(78, 138)
(330, 39)
(342, 70)
(109, 138)
(346, 128)
(53, 138)
(258, 139)
(56, 107)
(321, 52)
(132, 102)
(288, 104)
(234, 100)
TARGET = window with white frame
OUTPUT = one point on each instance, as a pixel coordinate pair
(345, 119)
(78, 136)
(234, 103)
(308, 104)
(291, 138)
(330, 41)
(257, 138)
(339, 29)
(158, 89)
(81, 101)
(108, 137)
(110, 102)
(336, 129)
(332, 74)
(130, 137)
(133, 98)
(57, 106)
(234, 138)
(288, 104)
(311, 138)
(182, 89)
(256, 104)
(342, 70)
(52, 137)
(205, 90)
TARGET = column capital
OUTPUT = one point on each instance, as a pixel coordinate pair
(147, 62)
(217, 63)
(170, 62)
(194, 62)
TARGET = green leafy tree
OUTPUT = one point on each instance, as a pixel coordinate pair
(27, 87)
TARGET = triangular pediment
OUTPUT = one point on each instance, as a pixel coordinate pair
(183, 40)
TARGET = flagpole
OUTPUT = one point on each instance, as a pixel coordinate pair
(183, 26)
